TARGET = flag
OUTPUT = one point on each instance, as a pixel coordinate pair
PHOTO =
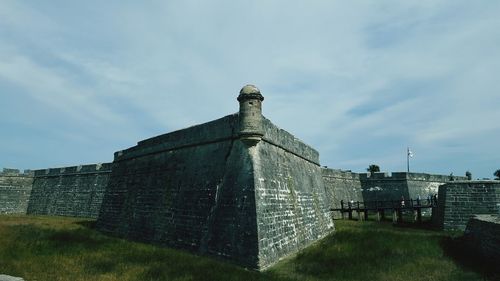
(410, 153)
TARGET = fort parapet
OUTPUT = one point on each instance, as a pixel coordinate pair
(349, 186)
(15, 190)
(341, 186)
(394, 186)
(75, 191)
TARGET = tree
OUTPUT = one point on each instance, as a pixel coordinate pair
(497, 174)
(373, 168)
(468, 175)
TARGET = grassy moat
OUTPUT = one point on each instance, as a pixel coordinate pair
(55, 248)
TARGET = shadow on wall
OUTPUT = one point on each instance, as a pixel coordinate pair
(457, 248)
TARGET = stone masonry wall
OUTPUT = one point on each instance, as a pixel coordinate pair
(205, 190)
(191, 189)
(291, 202)
(280, 138)
(71, 191)
(341, 185)
(423, 185)
(458, 201)
(15, 190)
(381, 186)
(346, 185)
(482, 235)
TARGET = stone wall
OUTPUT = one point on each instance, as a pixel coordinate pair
(346, 186)
(292, 205)
(384, 186)
(423, 185)
(458, 201)
(341, 185)
(482, 235)
(192, 189)
(71, 191)
(287, 142)
(15, 190)
(205, 190)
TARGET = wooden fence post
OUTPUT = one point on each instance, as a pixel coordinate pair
(342, 209)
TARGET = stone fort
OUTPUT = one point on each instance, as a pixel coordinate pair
(238, 188)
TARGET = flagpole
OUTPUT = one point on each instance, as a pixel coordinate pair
(408, 159)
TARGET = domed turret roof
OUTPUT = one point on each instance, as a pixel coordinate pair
(249, 89)
(250, 92)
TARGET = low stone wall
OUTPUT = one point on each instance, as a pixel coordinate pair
(458, 201)
(347, 186)
(483, 236)
(425, 185)
(385, 186)
(341, 185)
(15, 190)
(70, 191)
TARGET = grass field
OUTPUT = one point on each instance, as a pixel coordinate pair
(56, 248)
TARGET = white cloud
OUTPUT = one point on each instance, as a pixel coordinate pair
(355, 76)
(52, 90)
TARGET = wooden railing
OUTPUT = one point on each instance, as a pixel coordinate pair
(397, 207)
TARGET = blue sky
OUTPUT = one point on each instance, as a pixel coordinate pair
(357, 80)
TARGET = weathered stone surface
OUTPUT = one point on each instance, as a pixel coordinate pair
(249, 90)
(250, 115)
(206, 190)
(482, 235)
(71, 191)
(292, 206)
(425, 185)
(4, 277)
(382, 186)
(191, 189)
(341, 185)
(347, 186)
(458, 201)
(286, 141)
(15, 190)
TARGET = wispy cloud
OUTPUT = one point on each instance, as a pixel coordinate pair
(358, 81)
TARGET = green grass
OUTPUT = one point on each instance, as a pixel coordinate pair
(55, 248)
